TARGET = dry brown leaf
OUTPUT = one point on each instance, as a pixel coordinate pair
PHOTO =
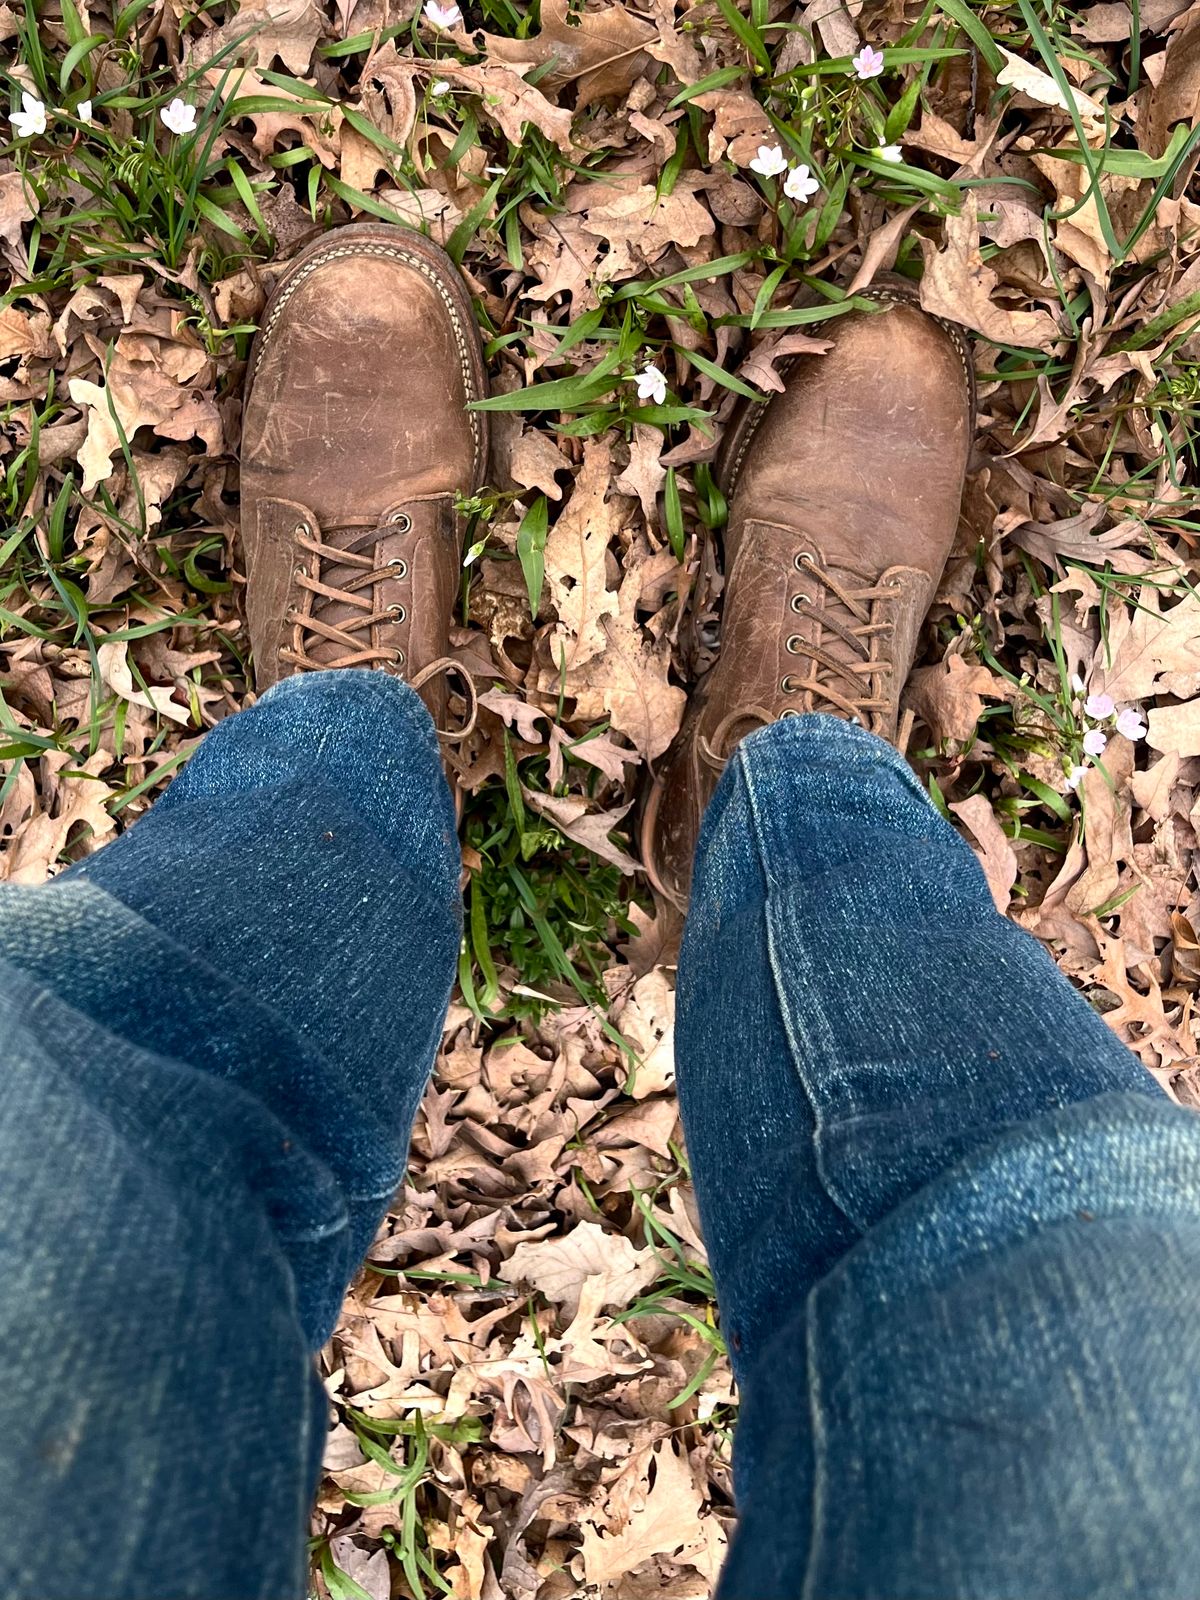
(17, 206)
(647, 1020)
(575, 818)
(113, 659)
(949, 697)
(388, 96)
(1111, 20)
(602, 752)
(603, 49)
(628, 680)
(995, 853)
(1022, 75)
(368, 1568)
(24, 333)
(739, 125)
(640, 223)
(506, 99)
(673, 47)
(264, 29)
(833, 24)
(1175, 730)
(516, 713)
(139, 394)
(1107, 836)
(653, 1509)
(558, 1268)
(1176, 96)
(957, 285)
(645, 474)
(1150, 651)
(576, 561)
(759, 366)
(1153, 788)
(533, 461)
(82, 799)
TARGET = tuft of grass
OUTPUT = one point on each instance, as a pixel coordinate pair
(542, 913)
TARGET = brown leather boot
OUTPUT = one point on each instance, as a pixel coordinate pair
(844, 495)
(356, 439)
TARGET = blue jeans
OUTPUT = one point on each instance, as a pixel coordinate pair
(955, 1227)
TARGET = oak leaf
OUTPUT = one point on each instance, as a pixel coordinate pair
(957, 285)
(655, 1511)
(558, 1268)
(576, 557)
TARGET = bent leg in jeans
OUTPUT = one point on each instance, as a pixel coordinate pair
(952, 1221)
(216, 1032)
(954, 1224)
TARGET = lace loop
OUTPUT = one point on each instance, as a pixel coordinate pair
(713, 750)
(444, 666)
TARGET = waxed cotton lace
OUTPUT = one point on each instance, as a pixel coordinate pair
(847, 695)
(357, 652)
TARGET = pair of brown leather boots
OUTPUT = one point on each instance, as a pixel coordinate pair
(844, 494)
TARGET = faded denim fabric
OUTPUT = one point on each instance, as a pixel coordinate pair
(954, 1224)
(215, 1034)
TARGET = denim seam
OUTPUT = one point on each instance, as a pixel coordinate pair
(816, 1415)
(820, 1488)
(786, 1013)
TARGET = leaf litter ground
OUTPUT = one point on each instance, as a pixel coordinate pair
(529, 1392)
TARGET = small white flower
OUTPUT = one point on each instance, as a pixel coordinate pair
(1131, 723)
(868, 63)
(1077, 683)
(770, 161)
(1100, 706)
(800, 185)
(1074, 777)
(179, 117)
(439, 88)
(1094, 742)
(495, 172)
(83, 111)
(31, 119)
(651, 384)
(442, 16)
(892, 153)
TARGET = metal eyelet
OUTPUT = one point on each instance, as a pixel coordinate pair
(399, 658)
(401, 566)
(790, 712)
(785, 684)
(801, 560)
(799, 601)
(400, 520)
(302, 531)
(793, 644)
(398, 612)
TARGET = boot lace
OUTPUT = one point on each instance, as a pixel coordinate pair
(355, 592)
(846, 683)
(358, 593)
